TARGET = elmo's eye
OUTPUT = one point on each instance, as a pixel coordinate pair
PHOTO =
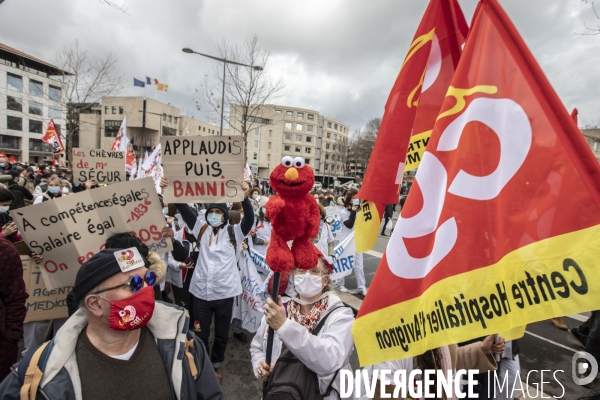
(287, 161)
(298, 162)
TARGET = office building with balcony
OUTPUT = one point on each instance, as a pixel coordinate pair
(29, 99)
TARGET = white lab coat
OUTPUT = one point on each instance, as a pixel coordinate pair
(216, 274)
(173, 270)
(324, 354)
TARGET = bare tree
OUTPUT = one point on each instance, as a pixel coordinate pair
(246, 89)
(88, 78)
(362, 143)
(596, 30)
(114, 5)
(340, 151)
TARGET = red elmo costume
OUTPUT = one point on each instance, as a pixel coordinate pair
(294, 215)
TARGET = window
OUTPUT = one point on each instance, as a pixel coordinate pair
(329, 125)
(106, 110)
(53, 112)
(111, 128)
(334, 146)
(14, 123)
(38, 145)
(310, 117)
(309, 139)
(35, 108)
(327, 156)
(204, 129)
(298, 149)
(299, 127)
(328, 135)
(307, 161)
(335, 127)
(277, 111)
(255, 156)
(114, 109)
(54, 93)
(9, 142)
(288, 136)
(268, 157)
(286, 148)
(35, 126)
(289, 114)
(309, 128)
(170, 118)
(327, 146)
(14, 103)
(270, 133)
(166, 131)
(334, 137)
(307, 150)
(175, 119)
(256, 131)
(288, 125)
(36, 88)
(269, 147)
(14, 82)
(256, 143)
(164, 117)
(299, 115)
(120, 110)
(298, 138)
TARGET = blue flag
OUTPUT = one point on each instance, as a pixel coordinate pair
(139, 83)
(148, 81)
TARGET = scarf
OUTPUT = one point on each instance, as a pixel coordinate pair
(311, 320)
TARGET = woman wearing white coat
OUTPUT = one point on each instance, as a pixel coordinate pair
(324, 353)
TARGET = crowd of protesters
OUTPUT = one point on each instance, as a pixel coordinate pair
(188, 293)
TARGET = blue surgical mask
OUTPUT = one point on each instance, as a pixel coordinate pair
(4, 209)
(264, 210)
(214, 220)
(54, 190)
(165, 210)
(255, 197)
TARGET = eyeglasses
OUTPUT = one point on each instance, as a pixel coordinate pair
(134, 283)
(313, 272)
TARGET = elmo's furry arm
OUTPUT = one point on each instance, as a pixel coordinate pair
(314, 221)
(274, 206)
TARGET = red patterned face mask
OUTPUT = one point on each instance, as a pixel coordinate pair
(132, 312)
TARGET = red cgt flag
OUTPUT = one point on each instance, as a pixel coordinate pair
(12, 159)
(410, 112)
(502, 225)
(53, 138)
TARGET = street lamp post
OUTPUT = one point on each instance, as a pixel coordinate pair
(225, 62)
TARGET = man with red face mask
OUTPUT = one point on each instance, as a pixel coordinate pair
(121, 343)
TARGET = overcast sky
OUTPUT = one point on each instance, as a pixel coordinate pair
(339, 57)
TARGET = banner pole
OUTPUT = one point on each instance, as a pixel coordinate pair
(271, 333)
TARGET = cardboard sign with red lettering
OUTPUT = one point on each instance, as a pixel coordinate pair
(69, 230)
(101, 166)
(42, 304)
(203, 169)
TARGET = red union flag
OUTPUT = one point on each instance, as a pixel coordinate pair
(502, 225)
(413, 104)
(52, 137)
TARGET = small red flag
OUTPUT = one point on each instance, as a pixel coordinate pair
(52, 137)
(12, 159)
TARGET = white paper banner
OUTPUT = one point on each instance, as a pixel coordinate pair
(249, 307)
(344, 258)
(336, 225)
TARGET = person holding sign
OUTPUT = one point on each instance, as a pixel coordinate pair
(215, 280)
(109, 349)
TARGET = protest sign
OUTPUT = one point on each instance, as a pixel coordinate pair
(203, 169)
(343, 258)
(102, 166)
(68, 230)
(42, 304)
(336, 226)
(254, 295)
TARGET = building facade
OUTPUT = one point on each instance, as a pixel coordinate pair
(29, 99)
(592, 137)
(278, 131)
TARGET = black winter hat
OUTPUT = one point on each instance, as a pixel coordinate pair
(222, 207)
(96, 270)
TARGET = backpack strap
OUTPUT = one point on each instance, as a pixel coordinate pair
(202, 230)
(316, 332)
(31, 376)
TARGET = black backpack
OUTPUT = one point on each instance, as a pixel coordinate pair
(292, 380)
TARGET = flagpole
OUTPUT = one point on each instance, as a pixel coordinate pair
(271, 334)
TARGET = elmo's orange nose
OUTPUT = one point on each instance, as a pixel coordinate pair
(291, 174)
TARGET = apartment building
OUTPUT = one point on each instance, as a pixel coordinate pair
(29, 99)
(278, 131)
(591, 135)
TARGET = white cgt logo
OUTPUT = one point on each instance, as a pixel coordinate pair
(510, 123)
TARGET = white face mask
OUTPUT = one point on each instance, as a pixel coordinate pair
(4, 209)
(308, 285)
(215, 220)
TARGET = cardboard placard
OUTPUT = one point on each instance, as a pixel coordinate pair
(69, 230)
(203, 169)
(101, 166)
(42, 304)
